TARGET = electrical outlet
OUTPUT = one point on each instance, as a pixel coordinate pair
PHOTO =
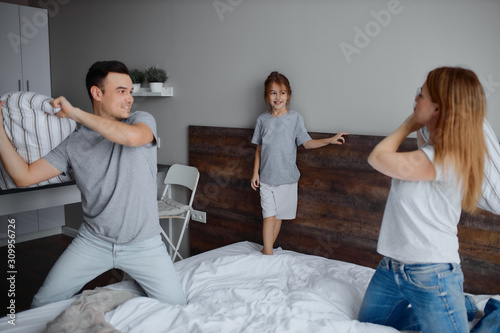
(199, 216)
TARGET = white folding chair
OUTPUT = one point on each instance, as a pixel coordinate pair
(168, 208)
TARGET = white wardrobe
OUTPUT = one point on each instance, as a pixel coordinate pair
(24, 49)
(25, 65)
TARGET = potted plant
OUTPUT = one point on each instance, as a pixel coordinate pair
(137, 77)
(155, 76)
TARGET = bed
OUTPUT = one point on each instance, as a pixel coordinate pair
(237, 289)
(324, 259)
(341, 203)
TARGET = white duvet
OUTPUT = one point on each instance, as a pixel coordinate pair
(250, 292)
(237, 289)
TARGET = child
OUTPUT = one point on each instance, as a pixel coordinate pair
(418, 237)
(277, 135)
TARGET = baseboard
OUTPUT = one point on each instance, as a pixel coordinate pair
(69, 232)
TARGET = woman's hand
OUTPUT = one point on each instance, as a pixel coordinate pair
(411, 124)
(414, 165)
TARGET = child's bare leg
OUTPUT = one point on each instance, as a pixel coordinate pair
(277, 228)
(268, 235)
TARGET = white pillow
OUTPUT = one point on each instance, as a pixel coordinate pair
(33, 130)
(490, 198)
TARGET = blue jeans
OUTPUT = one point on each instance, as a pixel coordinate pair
(490, 323)
(88, 256)
(435, 292)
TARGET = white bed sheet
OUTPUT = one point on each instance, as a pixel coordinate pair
(237, 289)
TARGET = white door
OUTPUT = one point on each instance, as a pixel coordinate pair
(10, 49)
(24, 49)
(35, 53)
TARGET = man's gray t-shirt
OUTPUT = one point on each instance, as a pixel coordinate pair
(117, 182)
(279, 138)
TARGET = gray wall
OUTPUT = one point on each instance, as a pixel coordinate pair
(218, 54)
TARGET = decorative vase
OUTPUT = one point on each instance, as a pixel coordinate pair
(155, 86)
(137, 87)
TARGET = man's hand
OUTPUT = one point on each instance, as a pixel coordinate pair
(67, 110)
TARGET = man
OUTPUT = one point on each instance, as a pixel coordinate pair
(112, 158)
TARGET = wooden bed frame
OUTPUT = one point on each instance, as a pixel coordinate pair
(341, 203)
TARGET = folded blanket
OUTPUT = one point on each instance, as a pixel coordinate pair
(86, 315)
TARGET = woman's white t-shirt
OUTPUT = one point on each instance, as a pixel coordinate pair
(421, 217)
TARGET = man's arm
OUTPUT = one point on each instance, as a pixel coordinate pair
(135, 135)
(22, 173)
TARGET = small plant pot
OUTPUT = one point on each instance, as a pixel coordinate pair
(155, 86)
(137, 87)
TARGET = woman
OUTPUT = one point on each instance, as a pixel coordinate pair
(430, 186)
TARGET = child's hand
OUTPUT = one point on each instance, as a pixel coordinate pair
(338, 139)
(255, 182)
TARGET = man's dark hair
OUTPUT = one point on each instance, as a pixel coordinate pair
(98, 72)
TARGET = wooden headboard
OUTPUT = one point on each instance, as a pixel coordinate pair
(341, 202)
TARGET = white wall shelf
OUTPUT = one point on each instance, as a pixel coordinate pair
(165, 92)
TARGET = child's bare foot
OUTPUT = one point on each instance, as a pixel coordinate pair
(267, 252)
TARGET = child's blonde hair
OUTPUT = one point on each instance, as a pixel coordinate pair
(458, 137)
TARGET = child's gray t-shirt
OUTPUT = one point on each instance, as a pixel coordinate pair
(117, 182)
(279, 138)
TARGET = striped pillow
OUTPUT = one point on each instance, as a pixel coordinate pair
(33, 130)
(490, 198)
